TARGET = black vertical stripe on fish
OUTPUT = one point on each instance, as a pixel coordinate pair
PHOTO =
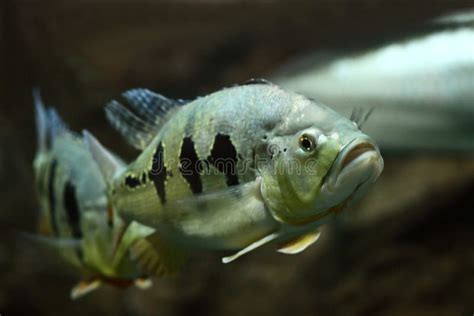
(190, 165)
(51, 196)
(224, 158)
(157, 173)
(72, 211)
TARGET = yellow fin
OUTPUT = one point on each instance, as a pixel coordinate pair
(85, 287)
(300, 243)
(143, 283)
(155, 256)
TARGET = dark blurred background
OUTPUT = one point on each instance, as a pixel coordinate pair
(407, 249)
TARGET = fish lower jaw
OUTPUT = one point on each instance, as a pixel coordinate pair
(366, 167)
(351, 183)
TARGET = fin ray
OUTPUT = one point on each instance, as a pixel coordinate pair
(150, 106)
(150, 111)
(41, 121)
(135, 130)
(156, 256)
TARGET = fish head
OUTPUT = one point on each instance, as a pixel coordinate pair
(319, 162)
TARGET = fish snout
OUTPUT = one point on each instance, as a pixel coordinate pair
(358, 165)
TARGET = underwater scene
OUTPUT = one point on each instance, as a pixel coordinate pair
(204, 157)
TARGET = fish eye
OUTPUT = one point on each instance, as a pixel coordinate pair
(307, 142)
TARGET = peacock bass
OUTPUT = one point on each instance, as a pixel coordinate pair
(75, 216)
(234, 170)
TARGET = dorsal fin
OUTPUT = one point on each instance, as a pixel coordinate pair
(49, 124)
(108, 163)
(41, 121)
(252, 81)
(142, 117)
(57, 127)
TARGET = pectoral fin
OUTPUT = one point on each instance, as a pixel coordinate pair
(85, 287)
(300, 243)
(156, 256)
(252, 246)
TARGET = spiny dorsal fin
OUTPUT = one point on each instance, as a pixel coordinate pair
(41, 121)
(149, 105)
(155, 256)
(56, 124)
(252, 81)
(142, 119)
(49, 124)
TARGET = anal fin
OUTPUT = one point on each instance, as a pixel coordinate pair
(85, 287)
(156, 256)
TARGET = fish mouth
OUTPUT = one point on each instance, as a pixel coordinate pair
(355, 152)
(358, 162)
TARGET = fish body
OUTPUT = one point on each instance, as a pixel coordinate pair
(237, 169)
(74, 217)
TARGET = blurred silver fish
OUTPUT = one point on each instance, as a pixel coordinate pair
(422, 89)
